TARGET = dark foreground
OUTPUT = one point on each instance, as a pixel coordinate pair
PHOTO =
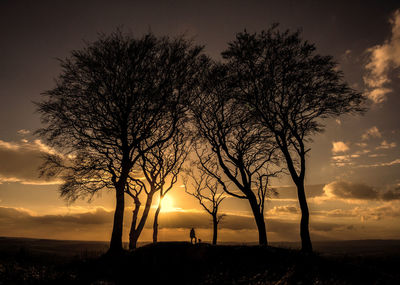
(24, 261)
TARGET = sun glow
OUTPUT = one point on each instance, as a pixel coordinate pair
(167, 204)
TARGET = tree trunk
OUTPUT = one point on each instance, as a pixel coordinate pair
(155, 224)
(305, 216)
(259, 218)
(135, 232)
(215, 230)
(133, 238)
(135, 212)
(299, 181)
(116, 236)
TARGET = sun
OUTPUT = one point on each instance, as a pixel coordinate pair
(167, 204)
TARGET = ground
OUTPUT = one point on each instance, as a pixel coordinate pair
(29, 261)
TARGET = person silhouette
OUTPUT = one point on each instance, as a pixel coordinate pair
(193, 236)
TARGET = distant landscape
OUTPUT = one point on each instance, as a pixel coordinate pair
(67, 248)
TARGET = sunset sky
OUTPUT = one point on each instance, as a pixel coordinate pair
(353, 170)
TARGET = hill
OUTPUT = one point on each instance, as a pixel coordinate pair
(183, 263)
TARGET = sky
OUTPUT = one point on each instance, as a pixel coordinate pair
(353, 169)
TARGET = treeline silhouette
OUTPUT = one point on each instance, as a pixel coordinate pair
(127, 112)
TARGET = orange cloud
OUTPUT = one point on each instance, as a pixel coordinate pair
(23, 160)
(386, 145)
(339, 146)
(371, 133)
(383, 59)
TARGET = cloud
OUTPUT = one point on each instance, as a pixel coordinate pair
(378, 95)
(278, 210)
(341, 158)
(381, 212)
(358, 191)
(386, 145)
(383, 59)
(96, 217)
(371, 133)
(344, 160)
(339, 146)
(97, 225)
(376, 155)
(23, 160)
(348, 190)
(361, 145)
(23, 132)
(289, 193)
(391, 195)
(362, 213)
(90, 225)
(381, 164)
(335, 213)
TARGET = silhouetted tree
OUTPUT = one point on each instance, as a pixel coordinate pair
(171, 160)
(289, 89)
(134, 189)
(160, 167)
(112, 98)
(227, 139)
(207, 190)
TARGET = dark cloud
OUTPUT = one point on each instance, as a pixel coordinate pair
(381, 212)
(20, 216)
(21, 161)
(98, 224)
(391, 195)
(349, 190)
(11, 214)
(95, 225)
(363, 213)
(99, 217)
(290, 192)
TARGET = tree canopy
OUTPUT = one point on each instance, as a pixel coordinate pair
(229, 142)
(114, 99)
(289, 89)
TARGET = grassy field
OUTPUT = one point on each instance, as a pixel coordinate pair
(38, 261)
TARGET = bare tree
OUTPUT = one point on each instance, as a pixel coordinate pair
(112, 98)
(170, 159)
(160, 167)
(207, 190)
(228, 140)
(289, 90)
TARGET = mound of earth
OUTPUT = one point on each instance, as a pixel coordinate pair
(184, 263)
